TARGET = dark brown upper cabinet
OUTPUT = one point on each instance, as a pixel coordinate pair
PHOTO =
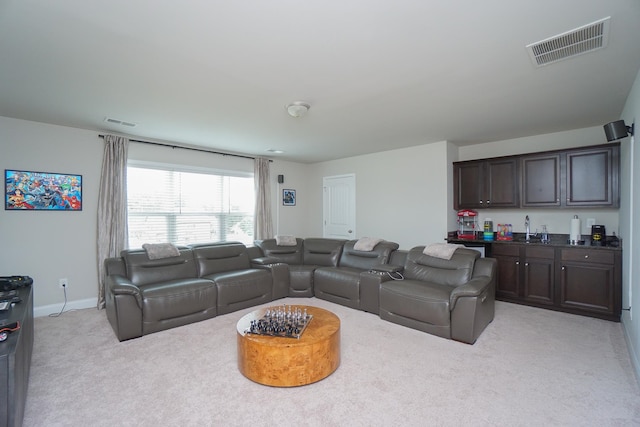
(486, 184)
(592, 177)
(541, 180)
(582, 177)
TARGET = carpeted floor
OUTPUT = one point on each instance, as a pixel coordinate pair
(530, 367)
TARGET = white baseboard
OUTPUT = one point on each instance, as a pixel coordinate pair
(47, 310)
(635, 362)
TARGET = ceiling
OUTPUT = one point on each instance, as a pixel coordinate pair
(378, 74)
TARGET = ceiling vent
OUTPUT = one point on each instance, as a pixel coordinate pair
(584, 39)
(119, 122)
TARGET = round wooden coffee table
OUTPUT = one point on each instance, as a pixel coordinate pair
(289, 362)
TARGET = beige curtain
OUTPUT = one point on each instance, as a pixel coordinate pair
(112, 206)
(263, 224)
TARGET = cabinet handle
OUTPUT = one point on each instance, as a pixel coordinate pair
(488, 201)
(526, 264)
(480, 201)
(563, 267)
(586, 256)
(517, 262)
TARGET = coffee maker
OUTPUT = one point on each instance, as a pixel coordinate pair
(598, 235)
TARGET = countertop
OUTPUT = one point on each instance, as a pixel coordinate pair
(557, 240)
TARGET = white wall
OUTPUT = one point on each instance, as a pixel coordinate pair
(50, 245)
(401, 195)
(630, 229)
(531, 144)
(292, 220)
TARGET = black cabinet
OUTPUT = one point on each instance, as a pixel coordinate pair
(592, 177)
(582, 177)
(539, 275)
(525, 273)
(15, 360)
(487, 183)
(508, 270)
(578, 280)
(589, 282)
(541, 180)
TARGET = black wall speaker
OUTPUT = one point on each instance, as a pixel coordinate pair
(617, 130)
(280, 179)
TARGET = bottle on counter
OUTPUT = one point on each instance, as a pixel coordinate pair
(488, 229)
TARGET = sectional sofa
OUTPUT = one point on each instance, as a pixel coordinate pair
(452, 298)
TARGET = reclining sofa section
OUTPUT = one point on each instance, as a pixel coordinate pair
(449, 298)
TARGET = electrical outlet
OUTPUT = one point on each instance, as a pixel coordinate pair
(63, 283)
(590, 222)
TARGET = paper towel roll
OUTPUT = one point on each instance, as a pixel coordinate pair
(575, 236)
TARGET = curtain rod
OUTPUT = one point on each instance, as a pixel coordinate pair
(189, 148)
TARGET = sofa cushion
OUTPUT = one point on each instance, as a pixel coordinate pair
(420, 301)
(338, 284)
(321, 251)
(220, 257)
(241, 289)
(141, 270)
(175, 298)
(301, 280)
(366, 260)
(286, 254)
(454, 272)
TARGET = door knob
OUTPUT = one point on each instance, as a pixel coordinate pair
(349, 231)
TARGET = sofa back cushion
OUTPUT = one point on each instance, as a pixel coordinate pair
(220, 257)
(453, 272)
(141, 270)
(321, 251)
(365, 260)
(287, 254)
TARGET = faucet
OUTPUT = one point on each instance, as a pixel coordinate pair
(527, 225)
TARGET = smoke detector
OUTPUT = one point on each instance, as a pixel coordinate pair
(297, 109)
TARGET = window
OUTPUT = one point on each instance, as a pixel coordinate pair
(183, 207)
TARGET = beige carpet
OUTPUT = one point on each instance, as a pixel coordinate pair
(530, 367)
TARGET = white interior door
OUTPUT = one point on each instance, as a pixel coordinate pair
(339, 206)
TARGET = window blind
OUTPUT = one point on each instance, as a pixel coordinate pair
(183, 207)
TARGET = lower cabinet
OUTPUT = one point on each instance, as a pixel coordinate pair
(525, 273)
(590, 281)
(580, 280)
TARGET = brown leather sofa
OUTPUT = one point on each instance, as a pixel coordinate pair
(449, 298)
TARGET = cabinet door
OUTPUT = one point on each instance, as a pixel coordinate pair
(468, 185)
(502, 184)
(592, 177)
(539, 273)
(588, 280)
(541, 180)
(508, 270)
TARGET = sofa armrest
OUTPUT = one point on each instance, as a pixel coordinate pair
(370, 290)
(280, 278)
(264, 261)
(473, 288)
(387, 268)
(120, 285)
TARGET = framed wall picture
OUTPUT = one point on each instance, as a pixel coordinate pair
(38, 191)
(289, 197)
